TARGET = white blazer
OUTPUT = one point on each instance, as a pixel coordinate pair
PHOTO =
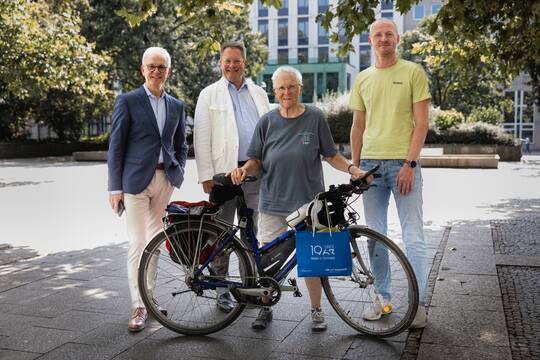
(215, 134)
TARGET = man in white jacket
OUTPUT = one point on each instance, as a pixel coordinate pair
(225, 118)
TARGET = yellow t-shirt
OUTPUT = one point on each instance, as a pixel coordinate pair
(387, 96)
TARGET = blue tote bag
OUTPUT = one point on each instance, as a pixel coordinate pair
(323, 254)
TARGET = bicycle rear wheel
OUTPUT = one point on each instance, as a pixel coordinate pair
(168, 288)
(352, 296)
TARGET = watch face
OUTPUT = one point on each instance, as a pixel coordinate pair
(413, 163)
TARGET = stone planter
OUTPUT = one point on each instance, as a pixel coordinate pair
(505, 152)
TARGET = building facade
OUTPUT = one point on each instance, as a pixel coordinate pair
(294, 37)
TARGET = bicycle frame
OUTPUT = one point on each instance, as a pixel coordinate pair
(246, 222)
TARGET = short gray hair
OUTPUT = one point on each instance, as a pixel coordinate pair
(383, 20)
(287, 70)
(233, 45)
(159, 51)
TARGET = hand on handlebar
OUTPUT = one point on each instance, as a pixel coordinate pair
(237, 175)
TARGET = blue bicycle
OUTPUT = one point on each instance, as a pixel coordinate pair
(179, 283)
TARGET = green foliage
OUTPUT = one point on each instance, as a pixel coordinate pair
(191, 37)
(470, 133)
(49, 73)
(98, 139)
(455, 82)
(447, 119)
(488, 115)
(338, 114)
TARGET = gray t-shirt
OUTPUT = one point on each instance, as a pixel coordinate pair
(290, 150)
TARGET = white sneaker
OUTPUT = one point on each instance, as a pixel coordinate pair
(317, 320)
(377, 309)
(420, 319)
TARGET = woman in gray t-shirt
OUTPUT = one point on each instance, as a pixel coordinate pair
(287, 146)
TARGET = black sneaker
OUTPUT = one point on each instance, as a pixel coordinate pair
(262, 320)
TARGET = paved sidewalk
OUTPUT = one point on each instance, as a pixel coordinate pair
(483, 304)
(483, 299)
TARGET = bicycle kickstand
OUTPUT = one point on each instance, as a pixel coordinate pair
(296, 292)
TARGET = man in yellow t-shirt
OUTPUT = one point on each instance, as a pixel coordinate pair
(390, 101)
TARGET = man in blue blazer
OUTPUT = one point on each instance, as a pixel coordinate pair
(146, 160)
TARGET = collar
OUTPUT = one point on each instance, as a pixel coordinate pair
(244, 84)
(149, 93)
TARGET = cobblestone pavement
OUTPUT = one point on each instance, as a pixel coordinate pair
(517, 237)
(520, 289)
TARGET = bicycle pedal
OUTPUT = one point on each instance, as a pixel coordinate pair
(297, 293)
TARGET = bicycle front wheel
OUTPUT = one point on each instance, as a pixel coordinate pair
(380, 297)
(178, 299)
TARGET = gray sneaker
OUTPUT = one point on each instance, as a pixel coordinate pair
(420, 320)
(262, 320)
(225, 302)
(317, 320)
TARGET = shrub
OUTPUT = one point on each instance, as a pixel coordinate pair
(470, 133)
(489, 115)
(336, 108)
(447, 119)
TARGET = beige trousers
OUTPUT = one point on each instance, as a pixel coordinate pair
(144, 212)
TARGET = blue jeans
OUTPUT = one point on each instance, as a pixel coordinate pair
(409, 208)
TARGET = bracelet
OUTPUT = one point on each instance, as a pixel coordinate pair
(349, 168)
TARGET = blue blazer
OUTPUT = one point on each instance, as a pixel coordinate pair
(135, 142)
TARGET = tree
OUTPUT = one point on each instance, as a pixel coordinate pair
(512, 26)
(455, 83)
(193, 43)
(49, 73)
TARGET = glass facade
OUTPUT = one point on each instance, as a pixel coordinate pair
(263, 29)
(365, 57)
(308, 88)
(263, 10)
(387, 5)
(284, 9)
(332, 81)
(303, 55)
(435, 8)
(323, 34)
(283, 56)
(303, 7)
(283, 32)
(418, 12)
(323, 54)
(323, 5)
(303, 31)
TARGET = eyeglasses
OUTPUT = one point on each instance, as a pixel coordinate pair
(160, 68)
(282, 89)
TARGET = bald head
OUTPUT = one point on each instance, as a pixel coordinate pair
(382, 21)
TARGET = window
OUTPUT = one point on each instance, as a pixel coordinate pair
(364, 37)
(267, 78)
(307, 88)
(303, 7)
(303, 55)
(323, 35)
(283, 32)
(418, 12)
(263, 10)
(341, 33)
(348, 82)
(320, 85)
(387, 15)
(365, 57)
(387, 5)
(435, 9)
(323, 5)
(332, 82)
(284, 10)
(263, 29)
(323, 54)
(283, 56)
(303, 31)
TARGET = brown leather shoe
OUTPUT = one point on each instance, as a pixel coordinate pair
(138, 320)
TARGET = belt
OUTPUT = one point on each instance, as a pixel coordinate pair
(160, 166)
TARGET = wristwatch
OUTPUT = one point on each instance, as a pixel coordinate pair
(411, 163)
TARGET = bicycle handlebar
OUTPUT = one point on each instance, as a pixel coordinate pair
(358, 186)
(225, 180)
